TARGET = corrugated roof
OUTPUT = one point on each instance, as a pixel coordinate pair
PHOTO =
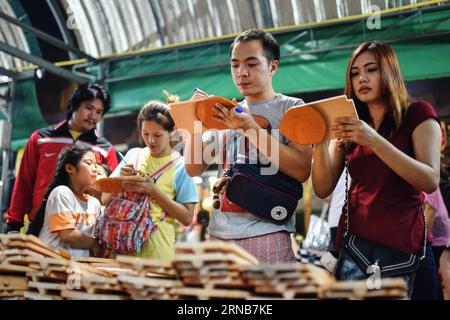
(105, 27)
(13, 36)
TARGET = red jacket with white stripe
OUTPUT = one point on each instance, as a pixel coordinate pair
(39, 163)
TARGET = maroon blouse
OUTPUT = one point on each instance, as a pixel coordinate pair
(383, 207)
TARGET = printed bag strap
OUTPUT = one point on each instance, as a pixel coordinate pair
(159, 172)
(163, 168)
(138, 162)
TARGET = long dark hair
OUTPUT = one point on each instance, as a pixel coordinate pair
(71, 155)
(394, 93)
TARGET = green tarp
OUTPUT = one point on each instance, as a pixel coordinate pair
(425, 58)
(26, 113)
(420, 58)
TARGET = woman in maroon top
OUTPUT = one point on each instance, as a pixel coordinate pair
(394, 155)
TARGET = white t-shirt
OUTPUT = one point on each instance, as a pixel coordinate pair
(64, 210)
(337, 201)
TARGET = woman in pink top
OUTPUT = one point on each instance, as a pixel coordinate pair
(439, 222)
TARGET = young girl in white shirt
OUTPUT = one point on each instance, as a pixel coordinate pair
(69, 214)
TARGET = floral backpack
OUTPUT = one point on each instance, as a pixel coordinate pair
(126, 222)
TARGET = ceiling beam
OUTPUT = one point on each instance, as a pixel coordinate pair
(50, 67)
(48, 38)
(156, 16)
(61, 21)
(8, 73)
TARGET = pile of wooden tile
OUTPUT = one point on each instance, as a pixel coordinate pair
(20, 256)
(149, 279)
(47, 279)
(32, 270)
(29, 269)
(211, 270)
(93, 284)
(287, 281)
(390, 288)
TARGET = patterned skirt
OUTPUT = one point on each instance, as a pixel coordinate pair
(270, 248)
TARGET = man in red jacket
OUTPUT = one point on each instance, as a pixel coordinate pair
(86, 108)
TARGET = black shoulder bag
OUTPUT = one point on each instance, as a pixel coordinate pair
(273, 197)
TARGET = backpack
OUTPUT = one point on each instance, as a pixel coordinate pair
(126, 223)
